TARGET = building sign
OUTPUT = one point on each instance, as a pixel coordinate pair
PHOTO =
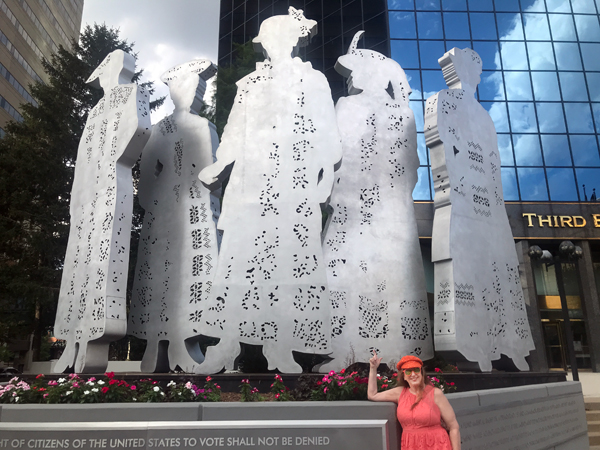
(534, 219)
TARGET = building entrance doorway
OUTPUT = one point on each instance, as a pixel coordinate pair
(555, 347)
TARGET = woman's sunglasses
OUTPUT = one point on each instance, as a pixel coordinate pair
(412, 370)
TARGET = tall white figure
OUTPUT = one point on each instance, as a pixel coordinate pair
(178, 244)
(91, 308)
(282, 140)
(374, 266)
(479, 306)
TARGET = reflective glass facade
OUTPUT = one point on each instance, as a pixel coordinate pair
(540, 84)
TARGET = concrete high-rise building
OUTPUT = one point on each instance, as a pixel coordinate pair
(31, 30)
(541, 86)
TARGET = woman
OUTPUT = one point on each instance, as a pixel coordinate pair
(420, 407)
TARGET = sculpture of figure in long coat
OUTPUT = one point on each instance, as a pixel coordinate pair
(374, 266)
(479, 306)
(282, 142)
(178, 245)
(91, 307)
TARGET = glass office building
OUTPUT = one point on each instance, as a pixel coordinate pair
(541, 86)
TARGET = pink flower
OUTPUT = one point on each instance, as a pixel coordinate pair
(332, 373)
(437, 370)
(92, 379)
(52, 383)
(208, 379)
(133, 388)
(325, 390)
(75, 385)
(276, 395)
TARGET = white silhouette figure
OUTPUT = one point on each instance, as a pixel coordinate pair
(479, 307)
(178, 243)
(91, 308)
(283, 143)
(375, 271)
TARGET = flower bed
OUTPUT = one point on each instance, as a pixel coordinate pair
(343, 385)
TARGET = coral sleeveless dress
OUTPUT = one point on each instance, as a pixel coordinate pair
(421, 429)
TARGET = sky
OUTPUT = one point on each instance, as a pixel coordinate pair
(166, 33)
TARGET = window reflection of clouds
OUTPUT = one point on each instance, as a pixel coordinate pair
(422, 190)
(583, 6)
(536, 27)
(556, 150)
(545, 86)
(510, 60)
(518, 86)
(509, 26)
(573, 87)
(509, 184)
(590, 53)
(402, 25)
(422, 150)
(497, 111)
(505, 149)
(522, 117)
(551, 118)
(401, 4)
(429, 25)
(541, 55)
(562, 27)
(561, 183)
(491, 86)
(567, 56)
(527, 150)
(579, 118)
(558, 5)
(588, 28)
(585, 150)
(514, 56)
(532, 183)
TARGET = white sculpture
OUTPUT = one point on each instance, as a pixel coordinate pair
(375, 271)
(178, 245)
(282, 140)
(479, 307)
(91, 308)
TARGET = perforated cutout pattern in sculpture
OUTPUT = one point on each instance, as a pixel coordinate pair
(178, 243)
(281, 137)
(377, 297)
(479, 305)
(91, 308)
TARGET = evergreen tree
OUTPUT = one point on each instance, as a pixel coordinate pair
(37, 160)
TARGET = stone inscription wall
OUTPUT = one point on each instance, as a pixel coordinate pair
(257, 435)
(537, 425)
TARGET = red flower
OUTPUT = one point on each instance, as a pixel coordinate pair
(343, 371)
(41, 375)
(437, 370)
(395, 374)
(105, 389)
(383, 386)
(111, 382)
(110, 375)
(451, 384)
(42, 389)
(319, 383)
(208, 379)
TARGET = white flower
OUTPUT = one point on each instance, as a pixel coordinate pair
(16, 399)
(86, 392)
(162, 393)
(89, 383)
(61, 380)
(101, 382)
(179, 393)
(95, 390)
(134, 399)
(171, 383)
(156, 389)
(68, 392)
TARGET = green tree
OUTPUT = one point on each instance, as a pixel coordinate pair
(37, 160)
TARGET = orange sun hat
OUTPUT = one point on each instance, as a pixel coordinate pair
(409, 362)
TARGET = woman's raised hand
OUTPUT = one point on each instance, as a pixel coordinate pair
(374, 361)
